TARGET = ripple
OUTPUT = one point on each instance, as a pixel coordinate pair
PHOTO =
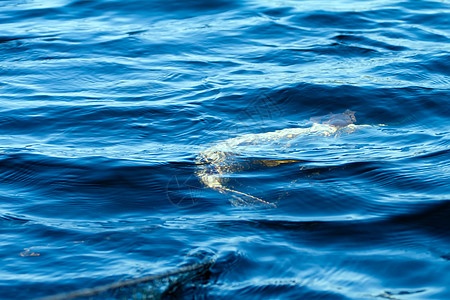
(106, 104)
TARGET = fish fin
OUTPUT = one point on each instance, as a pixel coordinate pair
(249, 196)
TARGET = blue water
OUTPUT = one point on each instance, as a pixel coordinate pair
(105, 105)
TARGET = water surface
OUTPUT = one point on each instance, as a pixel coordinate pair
(105, 105)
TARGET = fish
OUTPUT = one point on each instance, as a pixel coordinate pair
(218, 161)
